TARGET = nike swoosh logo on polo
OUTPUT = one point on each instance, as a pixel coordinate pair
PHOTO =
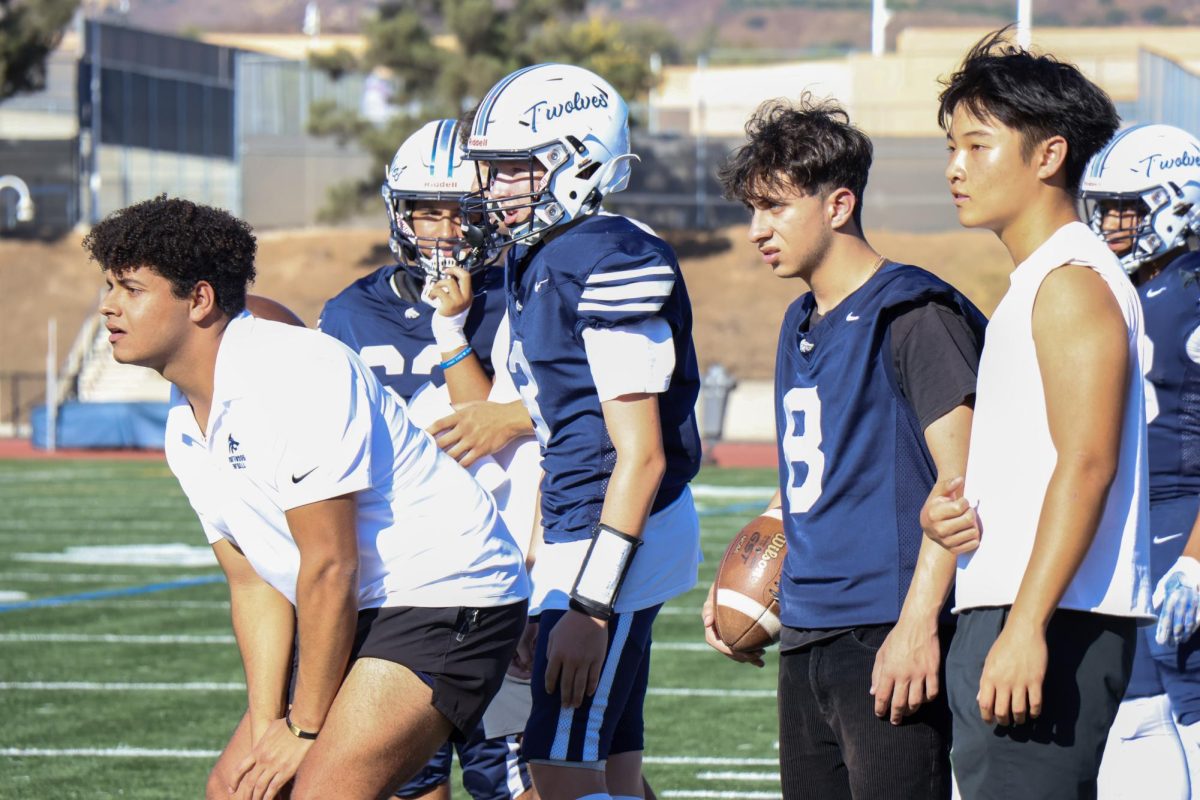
(537, 287)
(1161, 539)
(852, 317)
(296, 479)
(1156, 292)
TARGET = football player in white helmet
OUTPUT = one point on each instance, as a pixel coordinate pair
(556, 139)
(1142, 195)
(422, 193)
(602, 358)
(390, 318)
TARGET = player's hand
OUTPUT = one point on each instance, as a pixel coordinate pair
(574, 657)
(479, 429)
(1010, 688)
(453, 293)
(948, 519)
(905, 674)
(521, 665)
(1177, 598)
(708, 617)
(271, 765)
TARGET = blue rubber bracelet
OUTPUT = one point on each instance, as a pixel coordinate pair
(454, 359)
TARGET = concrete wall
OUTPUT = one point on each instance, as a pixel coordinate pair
(896, 94)
(286, 180)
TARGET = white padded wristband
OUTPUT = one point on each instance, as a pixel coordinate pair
(604, 567)
(448, 331)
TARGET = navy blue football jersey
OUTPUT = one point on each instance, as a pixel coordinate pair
(1171, 302)
(394, 336)
(599, 273)
(853, 464)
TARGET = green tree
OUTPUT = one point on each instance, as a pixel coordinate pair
(29, 30)
(444, 56)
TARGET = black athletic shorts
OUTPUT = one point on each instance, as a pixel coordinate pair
(461, 653)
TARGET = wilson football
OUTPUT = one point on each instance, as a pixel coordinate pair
(266, 308)
(746, 614)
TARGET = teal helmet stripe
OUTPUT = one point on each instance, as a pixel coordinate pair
(489, 101)
(437, 137)
(1097, 168)
(446, 144)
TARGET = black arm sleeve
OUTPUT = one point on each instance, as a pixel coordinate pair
(936, 354)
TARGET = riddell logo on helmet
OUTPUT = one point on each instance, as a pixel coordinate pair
(477, 141)
(548, 111)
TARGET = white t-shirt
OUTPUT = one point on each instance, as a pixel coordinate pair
(1012, 456)
(297, 418)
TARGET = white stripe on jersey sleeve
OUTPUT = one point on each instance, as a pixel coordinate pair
(630, 291)
(630, 274)
(624, 308)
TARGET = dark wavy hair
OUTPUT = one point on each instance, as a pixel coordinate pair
(808, 146)
(182, 241)
(1037, 96)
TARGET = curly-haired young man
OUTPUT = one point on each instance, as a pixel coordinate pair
(326, 509)
(1049, 595)
(874, 379)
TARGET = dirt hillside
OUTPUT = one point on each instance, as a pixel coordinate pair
(737, 302)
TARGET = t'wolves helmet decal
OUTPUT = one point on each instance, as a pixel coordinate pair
(1155, 170)
(429, 166)
(565, 118)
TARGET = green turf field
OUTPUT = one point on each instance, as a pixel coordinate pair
(119, 676)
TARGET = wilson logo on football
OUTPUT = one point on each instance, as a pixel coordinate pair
(770, 553)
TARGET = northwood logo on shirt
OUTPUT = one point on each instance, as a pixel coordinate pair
(236, 460)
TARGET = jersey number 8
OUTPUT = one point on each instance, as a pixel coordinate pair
(802, 448)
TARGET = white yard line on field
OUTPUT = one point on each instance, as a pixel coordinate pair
(689, 794)
(209, 686)
(146, 752)
(117, 638)
(104, 752)
(704, 491)
(218, 605)
(760, 777)
(80, 577)
(184, 638)
(665, 692)
(84, 525)
(94, 686)
(711, 761)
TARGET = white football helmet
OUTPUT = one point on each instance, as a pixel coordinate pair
(1152, 173)
(566, 119)
(430, 167)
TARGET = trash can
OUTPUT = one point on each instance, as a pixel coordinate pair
(715, 387)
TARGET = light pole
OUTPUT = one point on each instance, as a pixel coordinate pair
(879, 20)
(1024, 22)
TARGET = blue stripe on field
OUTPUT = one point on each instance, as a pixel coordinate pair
(129, 591)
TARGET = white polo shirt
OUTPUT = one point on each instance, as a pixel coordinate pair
(1012, 455)
(297, 418)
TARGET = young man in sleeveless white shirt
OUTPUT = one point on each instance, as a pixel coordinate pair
(1050, 524)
